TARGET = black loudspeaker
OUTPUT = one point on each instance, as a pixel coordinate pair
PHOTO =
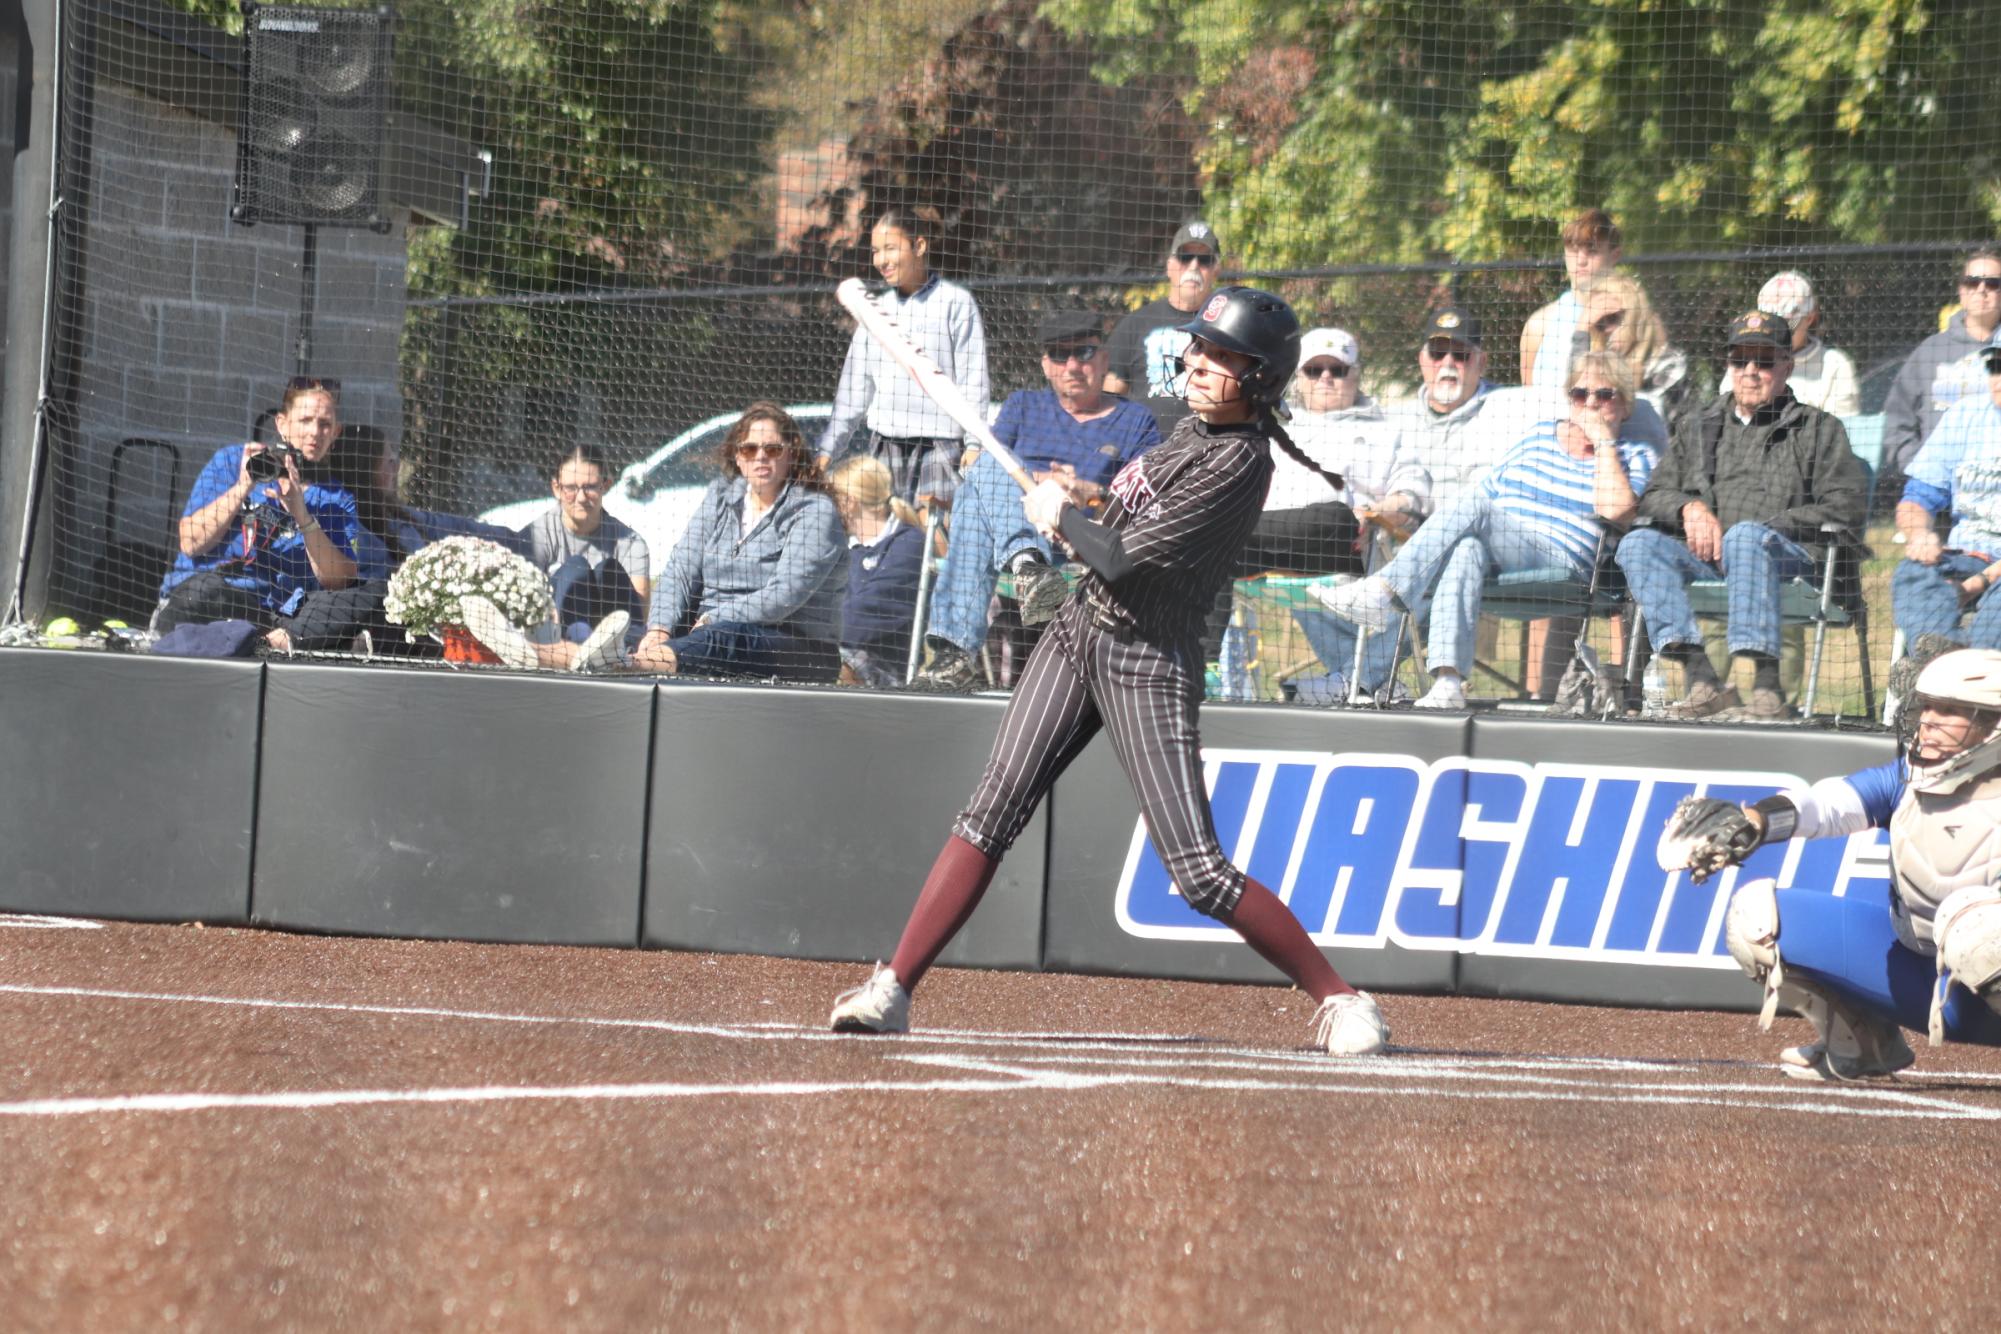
(315, 116)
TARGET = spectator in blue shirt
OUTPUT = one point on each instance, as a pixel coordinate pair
(753, 588)
(1541, 505)
(1072, 431)
(1940, 582)
(885, 565)
(272, 541)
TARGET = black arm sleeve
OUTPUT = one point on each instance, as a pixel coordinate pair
(1781, 818)
(1101, 548)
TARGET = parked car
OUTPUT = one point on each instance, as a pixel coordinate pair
(659, 494)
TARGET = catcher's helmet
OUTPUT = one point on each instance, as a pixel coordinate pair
(1258, 325)
(1967, 679)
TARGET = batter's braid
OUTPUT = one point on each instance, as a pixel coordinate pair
(1284, 442)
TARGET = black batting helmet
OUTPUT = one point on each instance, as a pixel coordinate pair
(1260, 326)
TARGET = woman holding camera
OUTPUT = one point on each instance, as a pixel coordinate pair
(268, 535)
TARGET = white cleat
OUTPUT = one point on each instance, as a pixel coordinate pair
(1351, 1025)
(879, 1005)
(490, 626)
(604, 649)
(1368, 603)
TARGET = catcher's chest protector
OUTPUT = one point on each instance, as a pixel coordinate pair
(1940, 842)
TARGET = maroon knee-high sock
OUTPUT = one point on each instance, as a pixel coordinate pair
(953, 889)
(1269, 927)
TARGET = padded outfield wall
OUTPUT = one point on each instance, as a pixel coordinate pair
(1488, 855)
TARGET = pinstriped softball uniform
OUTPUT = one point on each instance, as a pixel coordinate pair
(1127, 659)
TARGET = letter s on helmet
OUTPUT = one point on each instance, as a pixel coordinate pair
(1258, 325)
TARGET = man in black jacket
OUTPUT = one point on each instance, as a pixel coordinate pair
(1742, 492)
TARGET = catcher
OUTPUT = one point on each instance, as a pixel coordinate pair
(1860, 969)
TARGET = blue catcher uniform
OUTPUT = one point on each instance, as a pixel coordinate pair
(1876, 951)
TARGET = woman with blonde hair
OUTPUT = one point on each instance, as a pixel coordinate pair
(885, 564)
(1621, 320)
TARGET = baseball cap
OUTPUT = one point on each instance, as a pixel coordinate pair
(1336, 343)
(1760, 329)
(1067, 322)
(1452, 323)
(1197, 232)
(1787, 295)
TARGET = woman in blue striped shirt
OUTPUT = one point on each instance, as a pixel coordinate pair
(1541, 506)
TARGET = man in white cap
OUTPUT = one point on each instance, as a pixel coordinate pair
(1346, 432)
(1823, 377)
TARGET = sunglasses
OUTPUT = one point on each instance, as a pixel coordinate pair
(1326, 370)
(1764, 361)
(750, 451)
(1969, 282)
(1438, 349)
(1083, 354)
(1195, 257)
(580, 488)
(1602, 394)
(313, 382)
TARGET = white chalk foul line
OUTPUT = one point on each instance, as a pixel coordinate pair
(37, 922)
(1056, 1070)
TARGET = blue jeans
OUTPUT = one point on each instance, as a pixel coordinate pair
(988, 531)
(1756, 561)
(1333, 641)
(1455, 549)
(739, 648)
(1848, 946)
(585, 596)
(1924, 599)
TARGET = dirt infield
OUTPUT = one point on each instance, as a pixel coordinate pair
(233, 1130)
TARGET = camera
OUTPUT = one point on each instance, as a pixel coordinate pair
(269, 464)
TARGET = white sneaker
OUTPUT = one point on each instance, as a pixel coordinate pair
(1369, 603)
(490, 626)
(879, 1005)
(1351, 1025)
(604, 648)
(1447, 692)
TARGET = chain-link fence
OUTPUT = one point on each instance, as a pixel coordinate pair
(610, 227)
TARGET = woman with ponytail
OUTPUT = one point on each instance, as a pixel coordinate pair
(1122, 655)
(885, 563)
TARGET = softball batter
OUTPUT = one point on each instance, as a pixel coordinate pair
(1123, 655)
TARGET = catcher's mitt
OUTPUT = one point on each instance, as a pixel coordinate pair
(1704, 835)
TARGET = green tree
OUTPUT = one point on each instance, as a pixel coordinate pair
(1385, 130)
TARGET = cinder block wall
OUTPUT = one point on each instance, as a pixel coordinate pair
(190, 320)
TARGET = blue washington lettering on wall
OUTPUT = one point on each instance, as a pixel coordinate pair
(1480, 856)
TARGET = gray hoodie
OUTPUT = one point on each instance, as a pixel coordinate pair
(1945, 368)
(1359, 442)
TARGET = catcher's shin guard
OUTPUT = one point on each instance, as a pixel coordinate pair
(1848, 1043)
(1967, 931)
(1751, 932)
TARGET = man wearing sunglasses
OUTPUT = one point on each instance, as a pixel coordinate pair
(1945, 368)
(1147, 345)
(1743, 491)
(1072, 431)
(1957, 472)
(1452, 430)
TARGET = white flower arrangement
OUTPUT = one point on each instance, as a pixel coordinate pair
(424, 593)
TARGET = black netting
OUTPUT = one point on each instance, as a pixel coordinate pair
(612, 226)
